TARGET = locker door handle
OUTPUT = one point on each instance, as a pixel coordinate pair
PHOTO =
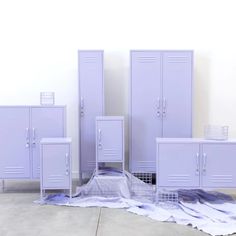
(33, 136)
(99, 139)
(81, 106)
(204, 156)
(164, 107)
(158, 107)
(67, 159)
(27, 138)
(197, 163)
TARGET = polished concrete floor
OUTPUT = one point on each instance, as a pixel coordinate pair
(19, 216)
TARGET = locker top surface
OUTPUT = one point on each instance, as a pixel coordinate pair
(55, 140)
(194, 140)
(109, 118)
(33, 106)
(161, 50)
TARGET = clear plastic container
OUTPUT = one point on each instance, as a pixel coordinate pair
(216, 132)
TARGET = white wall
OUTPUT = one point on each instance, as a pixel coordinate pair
(39, 42)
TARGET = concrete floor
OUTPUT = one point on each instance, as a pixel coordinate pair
(19, 216)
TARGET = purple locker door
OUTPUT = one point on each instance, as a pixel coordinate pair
(46, 122)
(177, 94)
(178, 165)
(91, 93)
(109, 140)
(145, 109)
(55, 167)
(218, 165)
(14, 142)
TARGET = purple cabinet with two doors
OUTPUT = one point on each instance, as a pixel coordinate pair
(160, 102)
(110, 140)
(195, 163)
(91, 100)
(21, 128)
(55, 163)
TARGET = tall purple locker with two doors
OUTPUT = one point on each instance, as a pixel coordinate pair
(160, 102)
(110, 140)
(195, 163)
(21, 128)
(91, 100)
(55, 162)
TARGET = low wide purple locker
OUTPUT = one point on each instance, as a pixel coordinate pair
(195, 163)
(21, 128)
(109, 140)
(55, 164)
(160, 102)
(91, 100)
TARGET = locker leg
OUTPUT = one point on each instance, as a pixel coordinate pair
(3, 185)
(41, 195)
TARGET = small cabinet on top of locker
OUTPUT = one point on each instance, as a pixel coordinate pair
(109, 140)
(160, 102)
(91, 100)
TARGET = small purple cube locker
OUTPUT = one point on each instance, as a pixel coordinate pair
(55, 164)
(109, 140)
(91, 104)
(21, 129)
(160, 102)
(195, 163)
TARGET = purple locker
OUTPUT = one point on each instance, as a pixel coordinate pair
(145, 109)
(91, 96)
(161, 102)
(110, 139)
(46, 122)
(177, 94)
(14, 142)
(178, 165)
(218, 165)
(55, 163)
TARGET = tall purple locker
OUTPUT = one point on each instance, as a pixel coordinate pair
(160, 102)
(21, 128)
(91, 100)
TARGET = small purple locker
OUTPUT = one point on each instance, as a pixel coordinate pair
(160, 102)
(55, 164)
(195, 163)
(110, 140)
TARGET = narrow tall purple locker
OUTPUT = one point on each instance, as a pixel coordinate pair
(160, 102)
(91, 100)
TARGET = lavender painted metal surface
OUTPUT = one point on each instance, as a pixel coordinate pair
(110, 139)
(55, 163)
(192, 163)
(20, 130)
(45, 122)
(165, 80)
(14, 142)
(91, 100)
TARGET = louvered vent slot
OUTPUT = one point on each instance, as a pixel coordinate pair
(55, 178)
(90, 60)
(222, 179)
(146, 59)
(110, 152)
(14, 170)
(178, 178)
(177, 59)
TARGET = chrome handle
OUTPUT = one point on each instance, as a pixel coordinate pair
(81, 106)
(99, 139)
(197, 163)
(27, 138)
(67, 159)
(33, 136)
(158, 107)
(67, 172)
(204, 162)
(164, 107)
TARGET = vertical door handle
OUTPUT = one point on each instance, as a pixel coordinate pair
(81, 106)
(99, 139)
(158, 107)
(164, 107)
(204, 156)
(33, 136)
(197, 163)
(27, 138)
(67, 159)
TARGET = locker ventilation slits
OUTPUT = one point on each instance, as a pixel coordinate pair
(177, 59)
(90, 59)
(222, 179)
(179, 178)
(55, 178)
(146, 59)
(19, 170)
(110, 152)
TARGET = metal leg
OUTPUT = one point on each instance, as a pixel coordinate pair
(3, 185)
(41, 195)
